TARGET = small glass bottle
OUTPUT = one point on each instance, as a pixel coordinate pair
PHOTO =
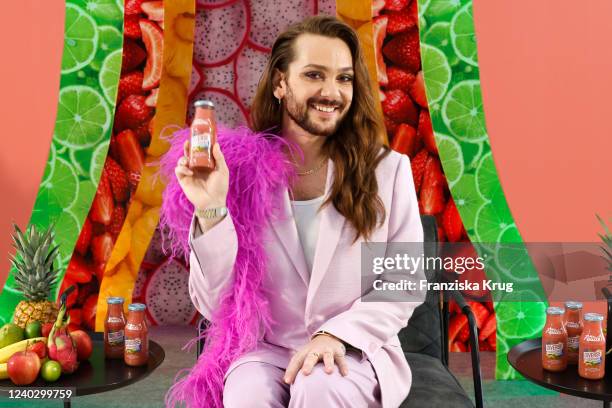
(573, 327)
(114, 328)
(136, 336)
(592, 353)
(203, 136)
(554, 341)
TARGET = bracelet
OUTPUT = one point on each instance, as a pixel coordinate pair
(210, 213)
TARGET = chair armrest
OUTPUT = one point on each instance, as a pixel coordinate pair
(467, 311)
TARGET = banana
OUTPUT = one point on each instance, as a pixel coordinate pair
(4, 371)
(8, 351)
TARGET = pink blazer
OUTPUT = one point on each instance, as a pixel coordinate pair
(328, 297)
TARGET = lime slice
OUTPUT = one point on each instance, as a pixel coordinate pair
(490, 221)
(512, 258)
(462, 112)
(82, 117)
(61, 190)
(80, 39)
(442, 9)
(487, 181)
(87, 191)
(438, 35)
(109, 75)
(466, 199)
(50, 165)
(450, 156)
(67, 231)
(521, 315)
(436, 72)
(463, 36)
(97, 162)
(103, 9)
(503, 369)
(120, 5)
(422, 7)
(109, 39)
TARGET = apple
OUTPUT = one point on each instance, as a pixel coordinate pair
(40, 348)
(23, 367)
(83, 344)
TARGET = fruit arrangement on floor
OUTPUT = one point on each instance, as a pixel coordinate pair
(409, 129)
(124, 166)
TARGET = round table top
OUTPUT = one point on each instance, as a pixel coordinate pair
(98, 374)
(526, 358)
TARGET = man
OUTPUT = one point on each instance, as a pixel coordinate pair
(327, 347)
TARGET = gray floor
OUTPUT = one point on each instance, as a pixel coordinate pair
(150, 392)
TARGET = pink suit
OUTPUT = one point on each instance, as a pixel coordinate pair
(328, 298)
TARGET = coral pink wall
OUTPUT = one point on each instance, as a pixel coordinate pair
(31, 41)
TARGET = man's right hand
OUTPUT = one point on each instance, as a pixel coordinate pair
(204, 189)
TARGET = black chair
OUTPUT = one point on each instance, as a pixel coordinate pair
(425, 343)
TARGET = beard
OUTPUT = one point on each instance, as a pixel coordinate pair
(302, 116)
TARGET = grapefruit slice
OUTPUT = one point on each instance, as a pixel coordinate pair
(153, 39)
(380, 31)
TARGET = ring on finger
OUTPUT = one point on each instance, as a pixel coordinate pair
(314, 353)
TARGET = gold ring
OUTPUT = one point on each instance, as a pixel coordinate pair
(317, 355)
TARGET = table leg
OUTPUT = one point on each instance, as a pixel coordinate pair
(606, 404)
(67, 403)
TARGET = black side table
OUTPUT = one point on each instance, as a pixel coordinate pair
(97, 374)
(526, 358)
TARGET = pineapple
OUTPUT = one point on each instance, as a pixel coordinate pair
(35, 275)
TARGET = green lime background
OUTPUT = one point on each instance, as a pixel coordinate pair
(447, 28)
(92, 31)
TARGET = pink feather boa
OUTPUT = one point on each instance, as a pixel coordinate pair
(258, 171)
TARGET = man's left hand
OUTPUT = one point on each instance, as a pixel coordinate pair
(321, 348)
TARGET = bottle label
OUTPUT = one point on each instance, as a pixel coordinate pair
(115, 338)
(573, 343)
(554, 351)
(590, 337)
(113, 319)
(200, 142)
(573, 325)
(553, 331)
(133, 346)
(592, 358)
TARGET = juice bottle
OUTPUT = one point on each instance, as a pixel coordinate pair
(136, 336)
(554, 341)
(592, 350)
(203, 136)
(573, 326)
(114, 328)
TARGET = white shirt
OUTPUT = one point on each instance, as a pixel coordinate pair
(307, 220)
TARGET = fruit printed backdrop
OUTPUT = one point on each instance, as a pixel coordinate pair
(130, 73)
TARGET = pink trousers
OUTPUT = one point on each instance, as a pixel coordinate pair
(257, 384)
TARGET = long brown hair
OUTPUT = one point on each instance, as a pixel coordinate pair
(356, 146)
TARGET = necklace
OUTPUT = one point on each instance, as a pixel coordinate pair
(313, 170)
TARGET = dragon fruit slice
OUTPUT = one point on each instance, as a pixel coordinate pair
(195, 81)
(219, 33)
(220, 77)
(155, 253)
(270, 17)
(327, 7)
(227, 108)
(249, 67)
(167, 295)
(213, 3)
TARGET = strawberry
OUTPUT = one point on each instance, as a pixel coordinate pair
(133, 55)
(133, 7)
(391, 126)
(118, 180)
(153, 39)
(488, 328)
(131, 28)
(118, 217)
(101, 247)
(130, 84)
(130, 153)
(432, 192)
(88, 288)
(404, 140)
(464, 334)
(143, 134)
(84, 239)
(72, 297)
(425, 132)
(400, 21)
(39, 347)
(395, 5)
(78, 269)
(458, 347)
(399, 79)
(417, 90)
(403, 50)
(399, 108)
(492, 340)
(88, 314)
(132, 112)
(453, 307)
(102, 206)
(455, 326)
(480, 313)
(451, 222)
(75, 316)
(413, 10)
(418, 168)
(379, 30)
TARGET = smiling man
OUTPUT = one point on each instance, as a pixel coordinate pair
(325, 347)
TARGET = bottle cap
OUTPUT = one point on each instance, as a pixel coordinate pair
(573, 305)
(204, 103)
(593, 317)
(136, 307)
(114, 300)
(555, 311)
